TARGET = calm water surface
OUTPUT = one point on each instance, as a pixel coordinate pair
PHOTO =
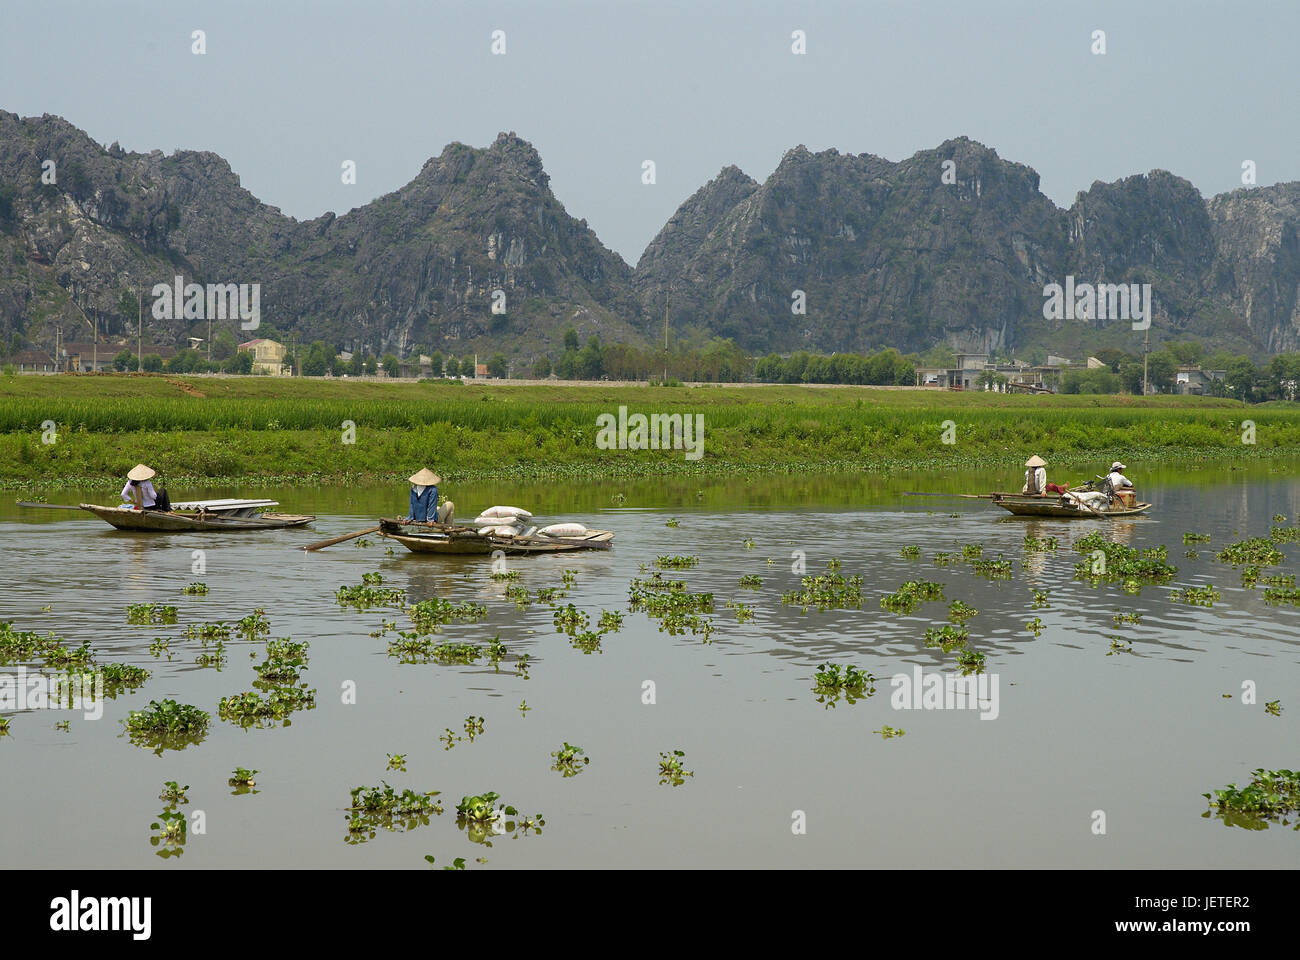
(1138, 735)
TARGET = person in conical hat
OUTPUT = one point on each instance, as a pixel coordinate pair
(1035, 477)
(424, 500)
(139, 490)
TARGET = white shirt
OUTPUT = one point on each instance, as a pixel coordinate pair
(146, 489)
(1118, 481)
(419, 489)
(1039, 476)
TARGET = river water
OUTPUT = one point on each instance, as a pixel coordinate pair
(1137, 735)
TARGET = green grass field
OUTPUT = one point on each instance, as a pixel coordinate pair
(258, 429)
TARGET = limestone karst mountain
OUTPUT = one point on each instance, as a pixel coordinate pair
(950, 245)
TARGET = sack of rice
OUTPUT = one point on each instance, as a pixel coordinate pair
(506, 513)
(563, 530)
(484, 520)
(528, 533)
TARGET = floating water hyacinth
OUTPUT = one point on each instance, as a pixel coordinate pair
(1272, 796)
(148, 613)
(1196, 596)
(833, 682)
(959, 611)
(1257, 551)
(672, 769)
(828, 591)
(906, 598)
(569, 760)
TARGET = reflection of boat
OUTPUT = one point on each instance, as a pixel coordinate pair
(1026, 506)
(444, 539)
(200, 515)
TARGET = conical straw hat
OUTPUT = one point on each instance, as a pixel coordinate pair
(426, 478)
(141, 472)
(1035, 461)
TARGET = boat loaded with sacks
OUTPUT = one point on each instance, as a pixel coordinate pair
(508, 529)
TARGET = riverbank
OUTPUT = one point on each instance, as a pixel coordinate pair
(257, 431)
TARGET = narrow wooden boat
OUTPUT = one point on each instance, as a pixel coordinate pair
(175, 521)
(1026, 506)
(467, 541)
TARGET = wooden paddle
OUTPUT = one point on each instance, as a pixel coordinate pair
(321, 544)
(964, 496)
(48, 506)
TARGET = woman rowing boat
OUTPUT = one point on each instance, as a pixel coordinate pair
(424, 506)
(139, 490)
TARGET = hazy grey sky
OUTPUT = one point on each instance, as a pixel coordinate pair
(289, 90)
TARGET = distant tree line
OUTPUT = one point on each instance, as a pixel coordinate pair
(1242, 378)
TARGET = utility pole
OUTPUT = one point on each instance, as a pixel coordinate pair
(209, 339)
(139, 344)
(1146, 341)
(665, 335)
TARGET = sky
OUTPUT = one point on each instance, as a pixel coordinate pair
(288, 90)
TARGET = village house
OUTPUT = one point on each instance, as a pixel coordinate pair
(1195, 381)
(268, 356)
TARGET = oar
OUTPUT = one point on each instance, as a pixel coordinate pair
(965, 496)
(48, 506)
(321, 544)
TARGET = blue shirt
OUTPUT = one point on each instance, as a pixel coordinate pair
(424, 506)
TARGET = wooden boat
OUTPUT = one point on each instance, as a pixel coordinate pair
(1026, 506)
(467, 541)
(201, 515)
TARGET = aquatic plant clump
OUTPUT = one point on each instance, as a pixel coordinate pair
(906, 598)
(167, 725)
(569, 619)
(285, 660)
(1116, 563)
(959, 612)
(1272, 796)
(676, 563)
(588, 641)
(196, 590)
(970, 661)
(832, 682)
(254, 625)
(250, 709)
(207, 632)
(414, 648)
(1257, 551)
(998, 569)
(828, 591)
(1280, 595)
(1284, 534)
(167, 716)
(569, 760)
(672, 768)
(364, 597)
(1040, 545)
(948, 637)
(149, 613)
(383, 808)
(430, 615)
(1196, 596)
